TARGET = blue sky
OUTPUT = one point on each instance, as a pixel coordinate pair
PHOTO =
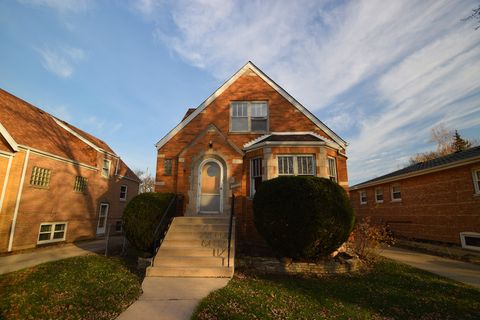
(379, 73)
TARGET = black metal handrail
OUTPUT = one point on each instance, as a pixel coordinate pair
(165, 221)
(232, 212)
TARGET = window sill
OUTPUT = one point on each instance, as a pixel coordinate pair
(378, 201)
(123, 200)
(248, 132)
(39, 187)
(398, 200)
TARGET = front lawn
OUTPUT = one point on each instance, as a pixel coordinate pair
(88, 287)
(388, 291)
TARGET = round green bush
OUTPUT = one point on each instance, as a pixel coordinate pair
(141, 216)
(303, 218)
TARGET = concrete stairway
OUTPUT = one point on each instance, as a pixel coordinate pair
(195, 247)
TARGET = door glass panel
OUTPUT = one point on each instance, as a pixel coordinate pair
(211, 178)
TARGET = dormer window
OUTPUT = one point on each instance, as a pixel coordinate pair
(248, 116)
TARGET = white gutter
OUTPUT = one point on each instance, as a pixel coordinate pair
(5, 182)
(17, 204)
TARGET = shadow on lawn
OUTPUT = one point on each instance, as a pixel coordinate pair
(391, 290)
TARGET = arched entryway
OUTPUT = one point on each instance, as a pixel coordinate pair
(210, 187)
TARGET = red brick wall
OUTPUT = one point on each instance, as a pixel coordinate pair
(59, 202)
(435, 206)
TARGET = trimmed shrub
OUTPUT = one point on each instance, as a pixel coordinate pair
(141, 217)
(303, 218)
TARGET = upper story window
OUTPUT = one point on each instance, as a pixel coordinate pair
(363, 197)
(80, 184)
(40, 177)
(332, 169)
(123, 192)
(167, 167)
(255, 175)
(301, 165)
(106, 168)
(378, 195)
(476, 180)
(247, 116)
(396, 193)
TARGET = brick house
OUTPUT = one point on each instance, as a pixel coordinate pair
(57, 183)
(247, 131)
(436, 200)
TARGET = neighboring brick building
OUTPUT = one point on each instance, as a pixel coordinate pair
(248, 131)
(435, 200)
(57, 183)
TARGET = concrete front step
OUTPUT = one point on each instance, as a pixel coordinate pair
(201, 220)
(199, 227)
(176, 261)
(196, 235)
(199, 243)
(196, 272)
(192, 251)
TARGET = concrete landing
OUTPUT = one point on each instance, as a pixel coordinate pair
(456, 270)
(171, 298)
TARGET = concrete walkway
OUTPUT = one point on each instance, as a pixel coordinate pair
(171, 298)
(17, 261)
(453, 269)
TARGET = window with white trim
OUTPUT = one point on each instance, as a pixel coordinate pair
(378, 195)
(296, 165)
(106, 168)
(476, 180)
(80, 184)
(52, 232)
(248, 116)
(332, 169)
(255, 175)
(123, 192)
(363, 197)
(396, 192)
(40, 177)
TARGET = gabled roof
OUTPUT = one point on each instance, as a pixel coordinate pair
(250, 66)
(24, 125)
(441, 163)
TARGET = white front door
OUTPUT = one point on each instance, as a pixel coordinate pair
(210, 190)
(102, 218)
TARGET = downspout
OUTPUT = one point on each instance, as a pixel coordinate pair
(5, 182)
(17, 204)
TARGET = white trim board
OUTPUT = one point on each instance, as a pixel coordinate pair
(11, 142)
(250, 66)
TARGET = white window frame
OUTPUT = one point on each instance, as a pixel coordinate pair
(391, 193)
(476, 180)
(377, 193)
(252, 177)
(249, 116)
(295, 164)
(126, 192)
(103, 168)
(469, 234)
(360, 193)
(333, 177)
(52, 232)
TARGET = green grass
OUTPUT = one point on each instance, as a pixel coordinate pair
(386, 291)
(88, 287)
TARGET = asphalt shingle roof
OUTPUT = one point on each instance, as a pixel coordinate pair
(448, 159)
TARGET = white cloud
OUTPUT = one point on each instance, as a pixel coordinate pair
(148, 8)
(62, 6)
(61, 60)
(416, 63)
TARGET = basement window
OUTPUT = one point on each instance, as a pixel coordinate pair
(40, 177)
(52, 232)
(470, 240)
